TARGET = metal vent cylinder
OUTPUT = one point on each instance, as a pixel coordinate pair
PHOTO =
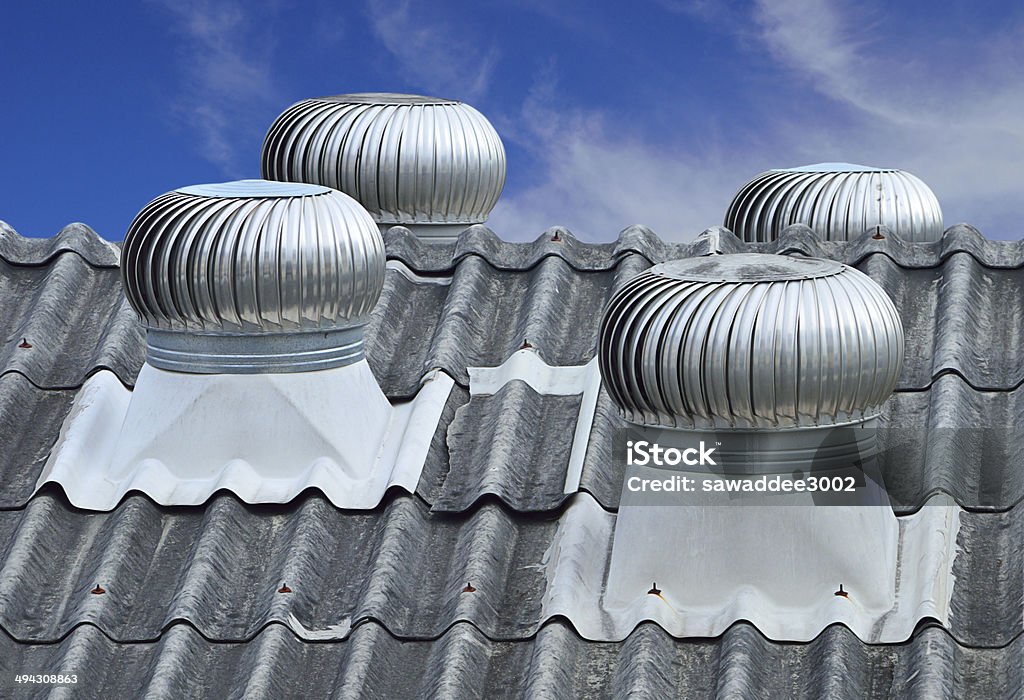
(408, 159)
(750, 341)
(840, 201)
(253, 276)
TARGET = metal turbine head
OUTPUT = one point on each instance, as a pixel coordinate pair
(409, 159)
(750, 341)
(839, 201)
(253, 276)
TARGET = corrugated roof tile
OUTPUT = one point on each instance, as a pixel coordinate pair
(387, 584)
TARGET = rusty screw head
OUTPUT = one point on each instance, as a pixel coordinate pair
(99, 590)
(284, 588)
(654, 589)
(24, 343)
(841, 593)
(469, 588)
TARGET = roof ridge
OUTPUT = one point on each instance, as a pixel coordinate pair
(584, 256)
(76, 238)
(638, 239)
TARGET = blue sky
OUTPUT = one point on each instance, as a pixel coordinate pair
(655, 113)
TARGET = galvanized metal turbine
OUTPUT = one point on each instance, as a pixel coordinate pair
(750, 341)
(253, 276)
(431, 164)
(840, 201)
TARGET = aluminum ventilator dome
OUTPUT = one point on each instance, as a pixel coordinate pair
(839, 201)
(408, 159)
(750, 341)
(253, 276)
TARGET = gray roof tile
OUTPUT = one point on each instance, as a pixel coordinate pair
(219, 567)
(75, 319)
(556, 663)
(191, 603)
(513, 438)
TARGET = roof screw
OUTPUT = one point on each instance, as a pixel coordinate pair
(284, 588)
(841, 593)
(526, 345)
(24, 343)
(654, 589)
(556, 237)
(878, 234)
(469, 588)
(99, 590)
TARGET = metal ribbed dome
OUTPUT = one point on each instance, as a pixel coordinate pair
(408, 159)
(840, 201)
(253, 276)
(750, 341)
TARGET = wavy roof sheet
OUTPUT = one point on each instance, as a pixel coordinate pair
(378, 601)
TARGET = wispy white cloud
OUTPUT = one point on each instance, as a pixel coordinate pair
(429, 50)
(880, 101)
(225, 64)
(957, 125)
(597, 177)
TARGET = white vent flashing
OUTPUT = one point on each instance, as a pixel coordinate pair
(181, 437)
(780, 551)
(254, 295)
(416, 278)
(806, 352)
(433, 233)
(919, 583)
(527, 366)
(710, 557)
